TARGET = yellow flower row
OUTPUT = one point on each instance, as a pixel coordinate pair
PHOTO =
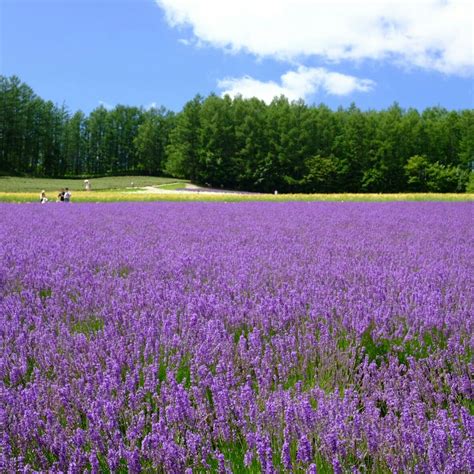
(118, 196)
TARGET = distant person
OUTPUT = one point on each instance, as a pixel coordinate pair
(67, 195)
(87, 185)
(43, 198)
(61, 195)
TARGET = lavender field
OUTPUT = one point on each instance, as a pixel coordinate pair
(250, 337)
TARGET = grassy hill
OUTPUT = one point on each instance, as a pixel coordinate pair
(10, 184)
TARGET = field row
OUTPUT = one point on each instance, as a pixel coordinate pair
(136, 195)
(250, 337)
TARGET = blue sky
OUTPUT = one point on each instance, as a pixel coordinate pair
(143, 52)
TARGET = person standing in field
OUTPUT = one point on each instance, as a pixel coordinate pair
(67, 195)
(43, 198)
(61, 196)
(87, 185)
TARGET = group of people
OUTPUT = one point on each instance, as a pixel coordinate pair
(63, 196)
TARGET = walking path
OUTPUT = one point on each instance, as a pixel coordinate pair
(189, 188)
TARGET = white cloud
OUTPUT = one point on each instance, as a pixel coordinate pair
(185, 41)
(106, 105)
(299, 84)
(432, 34)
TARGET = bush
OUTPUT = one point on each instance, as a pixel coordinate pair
(435, 177)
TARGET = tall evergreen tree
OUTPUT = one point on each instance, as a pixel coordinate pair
(75, 145)
(151, 140)
(242, 143)
(185, 144)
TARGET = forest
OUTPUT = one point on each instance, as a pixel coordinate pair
(241, 144)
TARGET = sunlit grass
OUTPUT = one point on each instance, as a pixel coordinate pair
(24, 185)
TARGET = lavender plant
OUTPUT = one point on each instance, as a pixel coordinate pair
(251, 337)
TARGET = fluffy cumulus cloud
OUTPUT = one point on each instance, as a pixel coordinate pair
(299, 84)
(431, 34)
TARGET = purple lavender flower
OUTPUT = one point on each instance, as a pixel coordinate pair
(200, 336)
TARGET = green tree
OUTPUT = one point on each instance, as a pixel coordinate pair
(75, 144)
(416, 171)
(96, 141)
(321, 175)
(52, 122)
(18, 108)
(351, 147)
(242, 143)
(122, 127)
(152, 139)
(185, 146)
(466, 140)
(424, 176)
(218, 152)
(386, 171)
(251, 145)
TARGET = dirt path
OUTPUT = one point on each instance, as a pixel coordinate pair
(189, 188)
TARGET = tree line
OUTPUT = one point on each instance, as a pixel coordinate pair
(241, 143)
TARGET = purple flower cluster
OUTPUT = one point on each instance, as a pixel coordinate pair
(251, 337)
